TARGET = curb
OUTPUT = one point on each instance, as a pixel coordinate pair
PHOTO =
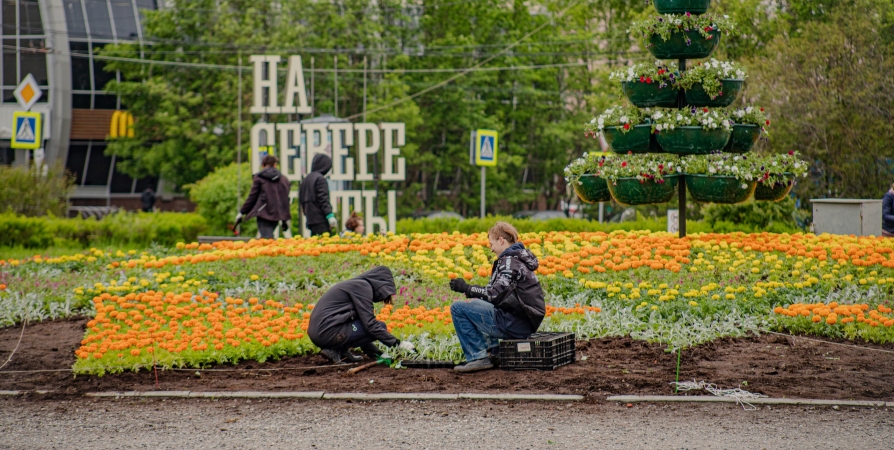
(334, 396)
(753, 401)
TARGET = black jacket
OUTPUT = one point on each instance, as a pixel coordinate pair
(314, 192)
(269, 196)
(888, 211)
(330, 320)
(147, 199)
(515, 265)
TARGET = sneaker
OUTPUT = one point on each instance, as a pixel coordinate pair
(475, 366)
(347, 356)
(333, 355)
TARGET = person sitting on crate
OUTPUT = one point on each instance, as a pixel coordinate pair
(511, 306)
(344, 317)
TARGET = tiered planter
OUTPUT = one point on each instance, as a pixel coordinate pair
(677, 48)
(631, 191)
(592, 189)
(693, 140)
(696, 96)
(637, 140)
(719, 189)
(743, 138)
(649, 95)
(775, 192)
(682, 6)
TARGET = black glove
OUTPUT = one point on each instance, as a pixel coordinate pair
(459, 285)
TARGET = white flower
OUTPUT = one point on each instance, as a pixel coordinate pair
(679, 117)
(671, 126)
(658, 115)
(624, 119)
(740, 113)
(593, 122)
(744, 186)
(749, 109)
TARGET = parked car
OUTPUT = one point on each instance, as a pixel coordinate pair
(540, 215)
(437, 215)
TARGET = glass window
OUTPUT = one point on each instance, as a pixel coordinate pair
(80, 101)
(74, 16)
(121, 183)
(100, 76)
(10, 77)
(7, 155)
(77, 160)
(98, 19)
(34, 60)
(8, 96)
(9, 17)
(125, 23)
(104, 101)
(29, 18)
(80, 67)
(98, 166)
(146, 183)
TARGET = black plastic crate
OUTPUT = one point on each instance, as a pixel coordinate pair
(542, 351)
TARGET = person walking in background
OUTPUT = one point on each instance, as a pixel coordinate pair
(268, 200)
(147, 199)
(888, 213)
(314, 197)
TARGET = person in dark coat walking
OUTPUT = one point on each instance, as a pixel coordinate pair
(268, 200)
(344, 318)
(888, 213)
(314, 197)
(147, 199)
(511, 306)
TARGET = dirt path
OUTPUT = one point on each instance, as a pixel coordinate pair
(777, 366)
(266, 424)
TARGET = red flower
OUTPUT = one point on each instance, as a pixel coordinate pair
(627, 126)
(791, 153)
(768, 122)
(642, 79)
(661, 167)
(660, 71)
(708, 28)
(624, 164)
(762, 109)
(648, 79)
(705, 109)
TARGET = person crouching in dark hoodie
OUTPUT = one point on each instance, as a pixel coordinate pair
(268, 200)
(344, 318)
(314, 197)
(511, 306)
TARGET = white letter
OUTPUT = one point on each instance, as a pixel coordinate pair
(260, 84)
(289, 158)
(391, 151)
(392, 211)
(315, 146)
(256, 129)
(295, 85)
(368, 197)
(339, 149)
(366, 147)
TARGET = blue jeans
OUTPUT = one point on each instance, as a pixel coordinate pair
(476, 327)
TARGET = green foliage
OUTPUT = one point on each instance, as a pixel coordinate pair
(27, 192)
(132, 229)
(776, 217)
(215, 198)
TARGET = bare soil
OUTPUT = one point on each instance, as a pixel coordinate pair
(775, 365)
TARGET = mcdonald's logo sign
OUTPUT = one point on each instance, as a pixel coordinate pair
(122, 125)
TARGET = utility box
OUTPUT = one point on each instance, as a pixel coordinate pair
(860, 217)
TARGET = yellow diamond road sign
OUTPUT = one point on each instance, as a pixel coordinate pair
(28, 93)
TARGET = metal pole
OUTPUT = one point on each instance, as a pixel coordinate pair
(363, 187)
(312, 105)
(239, 136)
(483, 178)
(335, 72)
(681, 184)
(601, 210)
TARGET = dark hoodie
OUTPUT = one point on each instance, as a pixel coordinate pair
(330, 320)
(269, 196)
(314, 192)
(888, 211)
(515, 265)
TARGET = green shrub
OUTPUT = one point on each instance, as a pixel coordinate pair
(21, 231)
(763, 216)
(26, 192)
(215, 198)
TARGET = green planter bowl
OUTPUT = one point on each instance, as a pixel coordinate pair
(777, 191)
(630, 191)
(676, 47)
(696, 96)
(636, 140)
(682, 6)
(743, 138)
(592, 189)
(648, 95)
(719, 189)
(693, 140)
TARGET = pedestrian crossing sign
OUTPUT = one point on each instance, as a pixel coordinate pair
(486, 148)
(26, 130)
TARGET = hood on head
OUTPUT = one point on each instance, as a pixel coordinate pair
(381, 280)
(322, 164)
(519, 252)
(270, 174)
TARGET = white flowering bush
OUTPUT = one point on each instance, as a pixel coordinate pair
(625, 117)
(664, 75)
(709, 74)
(707, 118)
(743, 167)
(751, 115)
(643, 167)
(666, 24)
(774, 167)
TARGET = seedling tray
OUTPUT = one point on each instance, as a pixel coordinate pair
(427, 364)
(542, 351)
